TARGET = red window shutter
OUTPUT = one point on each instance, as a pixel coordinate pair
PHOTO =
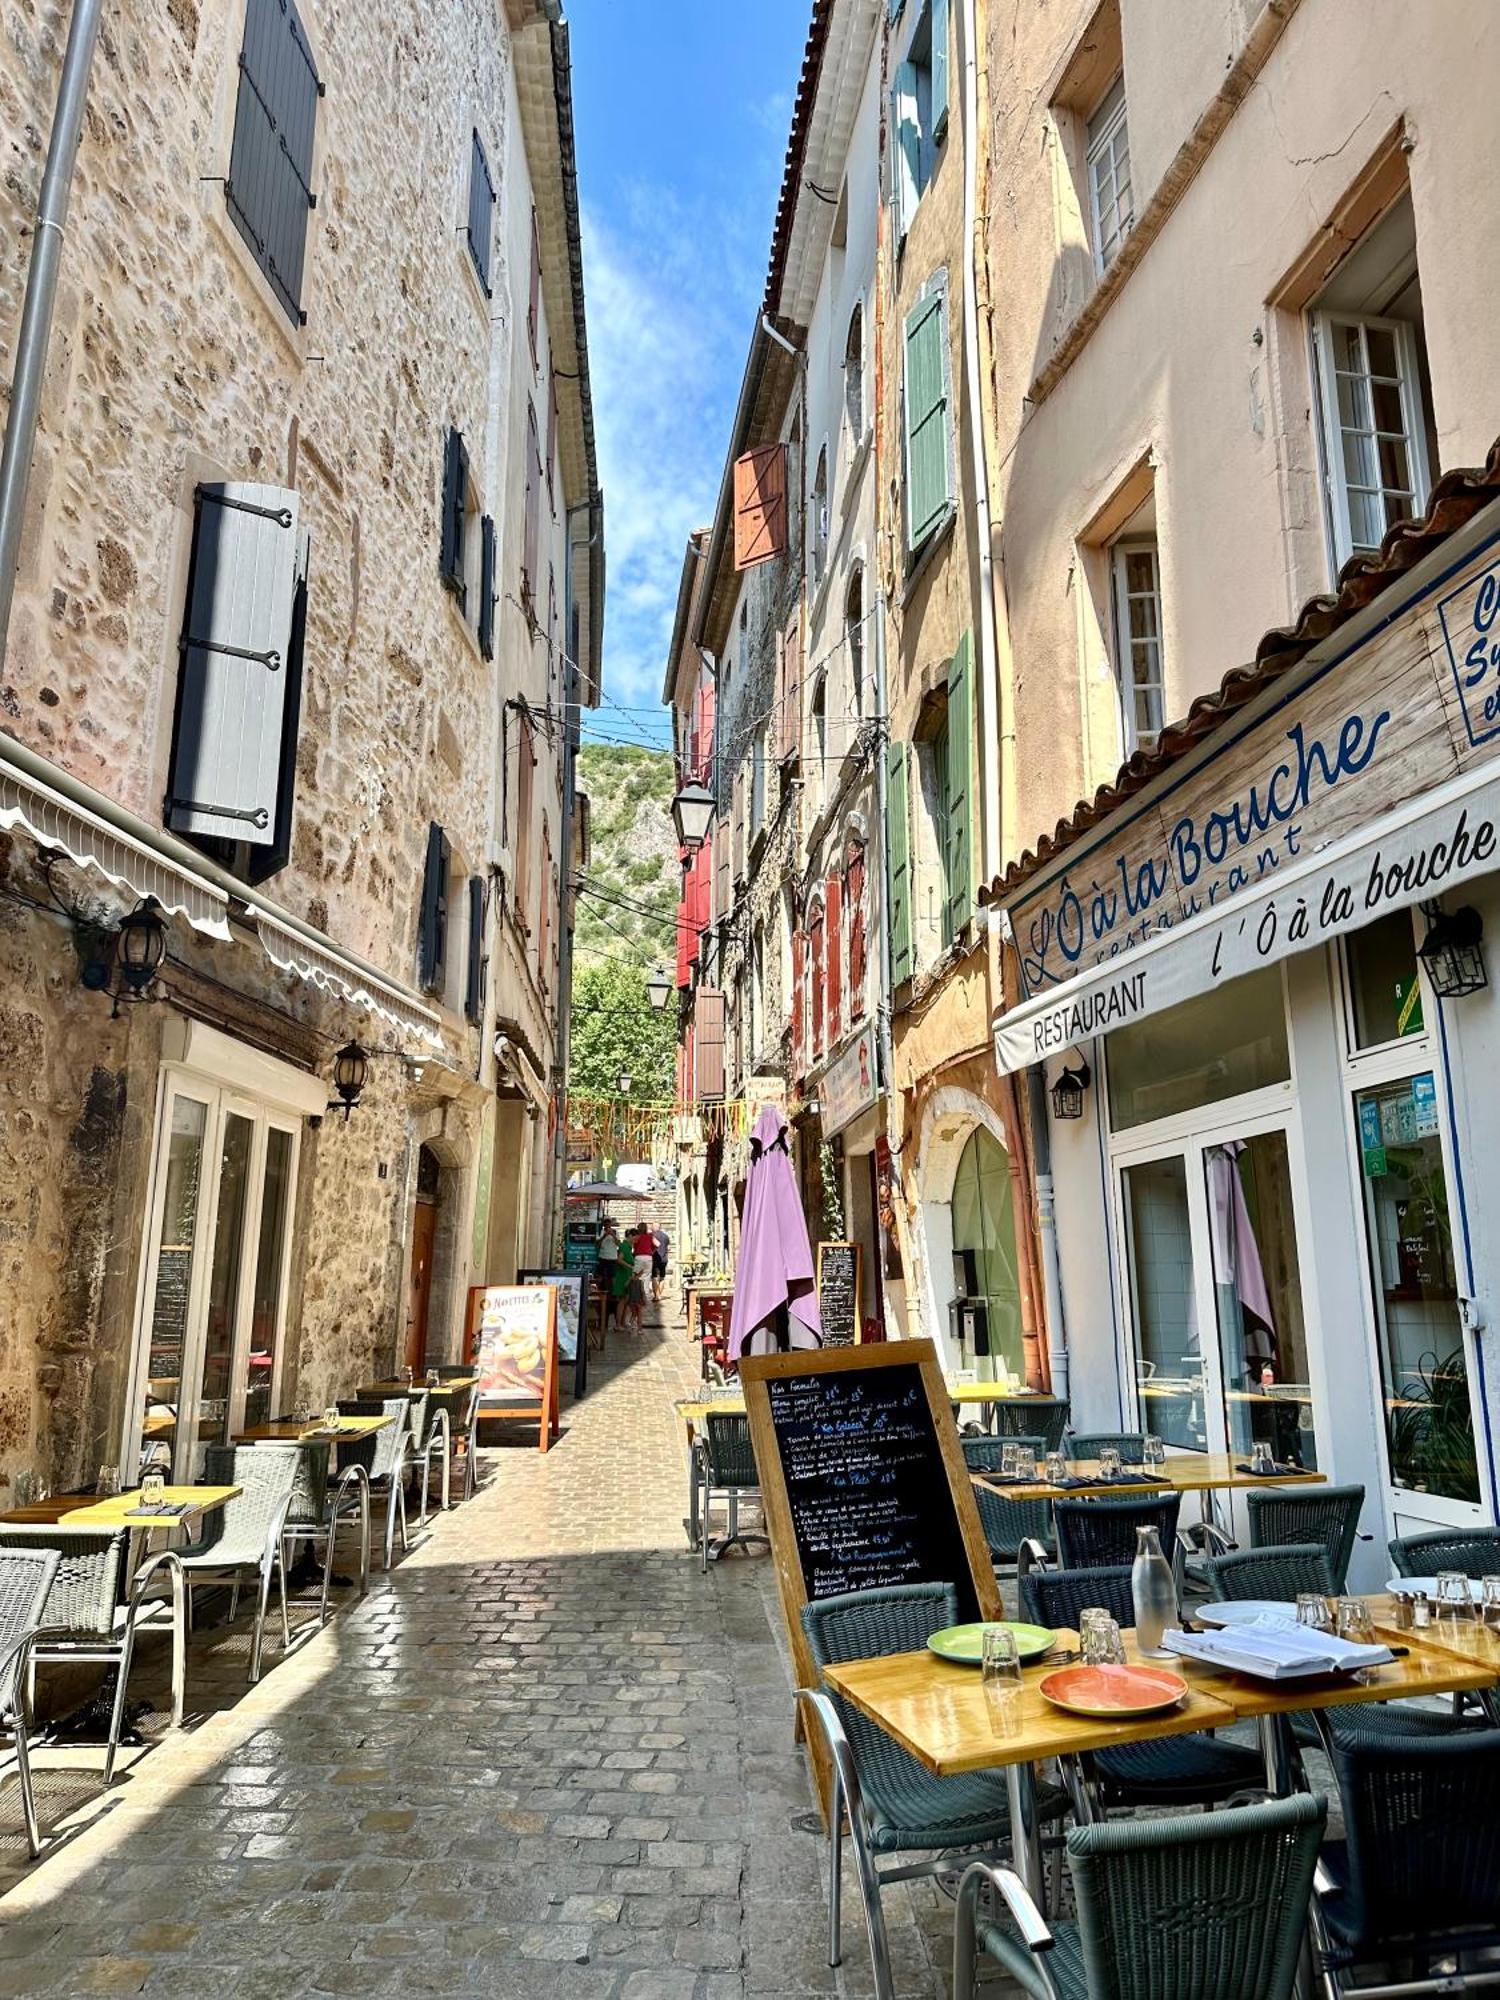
(723, 888)
(760, 517)
(834, 969)
(706, 748)
(799, 967)
(684, 935)
(709, 1014)
(854, 900)
(791, 693)
(816, 936)
(703, 871)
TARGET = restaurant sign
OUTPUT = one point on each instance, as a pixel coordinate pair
(850, 1084)
(1269, 845)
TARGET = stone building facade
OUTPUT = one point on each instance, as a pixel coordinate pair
(191, 1237)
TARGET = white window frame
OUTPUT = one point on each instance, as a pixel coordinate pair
(858, 421)
(819, 509)
(1126, 682)
(1331, 431)
(1107, 141)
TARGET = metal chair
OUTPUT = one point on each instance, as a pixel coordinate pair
(726, 1470)
(315, 1515)
(1174, 1771)
(463, 1415)
(82, 1620)
(432, 1441)
(894, 1805)
(26, 1576)
(1098, 1534)
(243, 1539)
(1476, 1551)
(1416, 1878)
(1019, 1532)
(1131, 1445)
(385, 1457)
(1028, 1419)
(1211, 1907)
(1326, 1514)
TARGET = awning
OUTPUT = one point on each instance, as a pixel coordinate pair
(335, 973)
(1430, 845)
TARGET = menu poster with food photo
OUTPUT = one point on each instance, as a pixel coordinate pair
(513, 1344)
(571, 1345)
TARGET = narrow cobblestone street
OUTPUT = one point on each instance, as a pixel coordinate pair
(546, 1756)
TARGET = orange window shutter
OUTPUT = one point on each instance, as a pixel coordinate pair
(760, 514)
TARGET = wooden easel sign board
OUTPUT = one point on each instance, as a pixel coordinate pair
(864, 1483)
(571, 1344)
(840, 1285)
(512, 1343)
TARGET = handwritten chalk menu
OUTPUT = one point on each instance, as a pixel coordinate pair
(838, 1292)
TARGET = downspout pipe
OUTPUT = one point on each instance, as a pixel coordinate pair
(35, 331)
(1046, 1220)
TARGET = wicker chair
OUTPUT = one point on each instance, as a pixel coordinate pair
(88, 1618)
(1131, 1445)
(1210, 1907)
(385, 1457)
(26, 1577)
(243, 1539)
(1476, 1551)
(1417, 1874)
(1019, 1532)
(459, 1411)
(316, 1514)
(1098, 1534)
(1039, 1420)
(1176, 1770)
(894, 1805)
(727, 1470)
(1326, 1514)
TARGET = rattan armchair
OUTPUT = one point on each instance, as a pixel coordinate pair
(460, 1413)
(1131, 1445)
(893, 1803)
(1019, 1532)
(385, 1457)
(1301, 1514)
(1210, 1907)
(725, 1469)
(1476, 1551)
(1099, 1534)
(26, 1576)
(1025, 1419)
(242, 1540)
(315, 1514)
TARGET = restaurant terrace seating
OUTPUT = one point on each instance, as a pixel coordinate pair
(1326, 1514)
(1476, 1551)
(1096, 1534)
(1016, 1530)
(26, 1576)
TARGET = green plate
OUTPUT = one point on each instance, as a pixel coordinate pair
(961, 1643)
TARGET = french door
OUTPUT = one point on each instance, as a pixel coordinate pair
(213, 1303)
(1208, 1230)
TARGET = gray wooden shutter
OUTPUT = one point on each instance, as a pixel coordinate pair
(235, 647)
(269, 189)
(939, 68)
(487, 587)
(474, 969)
(265, 861)
(455, 499)
(481, 213)
(958, 862)
(432, 940)
(898, 861)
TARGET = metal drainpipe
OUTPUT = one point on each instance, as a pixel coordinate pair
(1046, 1219)
(563, 1026)
(41, 291)
(883, 1006)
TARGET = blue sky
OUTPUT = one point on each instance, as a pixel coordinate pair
(681, 112)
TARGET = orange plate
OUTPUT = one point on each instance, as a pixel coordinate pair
(1107, 1691)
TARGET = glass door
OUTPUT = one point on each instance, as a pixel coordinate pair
(1172, 1388)
(178, 1227)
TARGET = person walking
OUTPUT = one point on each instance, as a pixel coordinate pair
(642, 1250)
(606, 1264)
(661, 1251)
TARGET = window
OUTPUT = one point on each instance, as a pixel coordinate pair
(760, 506)
(553, 663)
(1216, 1045)
(854, 638)
(1136, 581)
(552, 445)
(466, 556)
(533, 518)
(820, 722)
(525, 769)
(927, 399)
(758, 783)
(815, 977)
(854, 376)
(820, 519)
(534, 300)
(757, 991)
(481, 228)
(898, 861)
(919, 112)
(984, 1234)
(239, 686)
(544, 918)
(269, 184)
(1111, 203)
(1380, 974)
(432, 925)
(854, 905)
(1373, 427)
(475, 961)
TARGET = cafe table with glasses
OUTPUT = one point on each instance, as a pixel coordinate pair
(1058, 1477)
(311, 1431)
(694, 1412)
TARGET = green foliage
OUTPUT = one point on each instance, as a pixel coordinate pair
(616, 1028)
(833, 1199)
(633, 864)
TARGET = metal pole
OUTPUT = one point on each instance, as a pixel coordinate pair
(41, 292)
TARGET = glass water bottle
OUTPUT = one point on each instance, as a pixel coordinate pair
(1153, 1592)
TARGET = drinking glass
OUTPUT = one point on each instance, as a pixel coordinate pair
(1490, 1610)
(1109, 1461)
(1007, 1461)
(153, 1485)
(1260, 1457)
(1312, 1610)
(107, 1482)
(1354, 1621)
(1000, 1676)
(24, 1489)
(410, 1373)
(331, 1416)
(1057, 1467)
(434, 1380)
(1154, 1452)
(1453, 1596)
(1025, 1466)
(1099, 1640)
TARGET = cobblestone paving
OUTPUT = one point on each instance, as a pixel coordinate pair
(545, 1756)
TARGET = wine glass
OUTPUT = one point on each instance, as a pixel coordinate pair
(1000, 1677)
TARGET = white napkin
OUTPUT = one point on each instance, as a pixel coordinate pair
(1272, 1650)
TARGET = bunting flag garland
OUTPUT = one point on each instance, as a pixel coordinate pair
(628, 1128)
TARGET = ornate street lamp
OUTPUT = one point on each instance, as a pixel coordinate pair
(692, 815)
(659, 990)
(135, 949)
(1067, 1091)
(623, 1082)
(351, 1066)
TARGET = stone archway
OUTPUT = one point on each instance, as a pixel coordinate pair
(952, 1115)
(439, 1181)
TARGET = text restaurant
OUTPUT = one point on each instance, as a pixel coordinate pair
(1258, 966)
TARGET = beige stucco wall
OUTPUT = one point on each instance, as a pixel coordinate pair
(1190, 367)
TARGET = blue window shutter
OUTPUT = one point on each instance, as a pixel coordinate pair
(474, 970)
(487, 587)
(432, 936)
(455, 500)
(958, 862)
(481, 212)
(939, 68)
(893, 9)
(269, 187)
(898, 861)
(928, 493)
(236, 664)
(906, 153)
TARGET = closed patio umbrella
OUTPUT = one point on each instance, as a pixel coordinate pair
(775, 1293)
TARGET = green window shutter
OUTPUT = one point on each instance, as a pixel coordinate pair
(906, 153)
(939, 68)
(898, 862)
(926, 386)
(959, 860)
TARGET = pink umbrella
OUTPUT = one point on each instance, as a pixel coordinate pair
(775, 1293)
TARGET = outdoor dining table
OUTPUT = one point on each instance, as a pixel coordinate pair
(939, 1713)
(287, 1430)
(451, 1385)
(694, 1412)
(1182, 1472)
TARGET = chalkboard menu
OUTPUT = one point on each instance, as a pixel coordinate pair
(866, 1483)
(838, 1292)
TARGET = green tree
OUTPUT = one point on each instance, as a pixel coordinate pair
(616, 1028)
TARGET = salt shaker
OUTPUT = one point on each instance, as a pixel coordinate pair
(1421, 1610)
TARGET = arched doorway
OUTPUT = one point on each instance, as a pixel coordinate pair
(424, 1231)
(984, 1240)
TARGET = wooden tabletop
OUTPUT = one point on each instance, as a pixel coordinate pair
(287, 1431)
(457, 1384)
(122, 1510)
(47, 1513)
(991, 1392)
(939, 1713)
(1184, 1472)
